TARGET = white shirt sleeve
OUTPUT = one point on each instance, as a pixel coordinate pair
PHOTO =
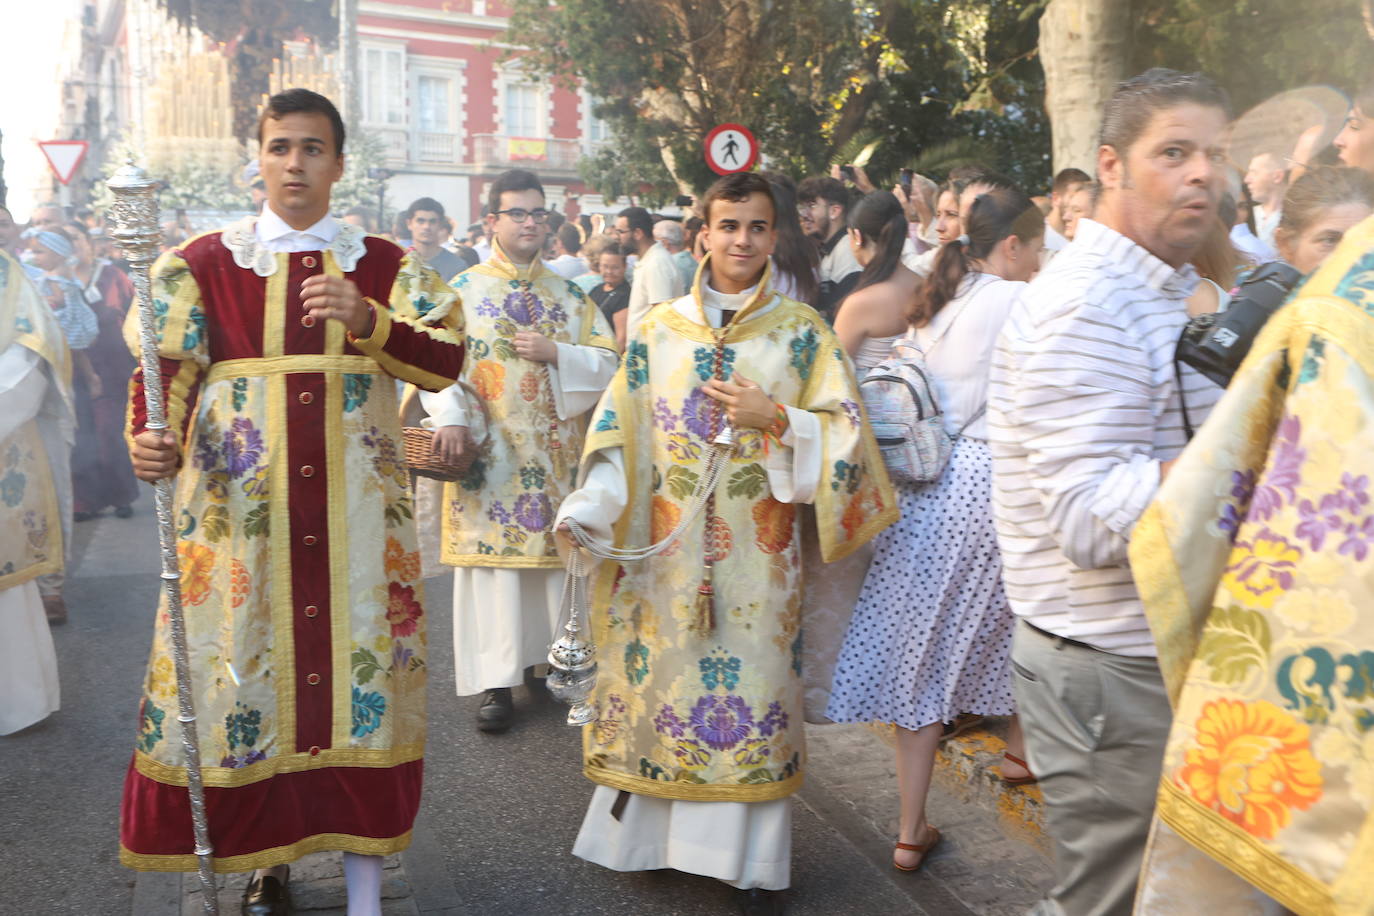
(22, 387)
(454, 406)
(794, 469)
(597, 504)
(580, 376)
(1082, 409)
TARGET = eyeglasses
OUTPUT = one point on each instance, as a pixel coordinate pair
(520, 214)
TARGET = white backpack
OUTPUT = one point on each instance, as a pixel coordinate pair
(906, 419)
(905, 415)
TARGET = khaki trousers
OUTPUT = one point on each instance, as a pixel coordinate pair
(1095, 725)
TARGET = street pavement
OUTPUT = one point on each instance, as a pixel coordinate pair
(499, 813)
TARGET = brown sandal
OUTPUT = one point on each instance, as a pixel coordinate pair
(1019, 780)
(923, 848)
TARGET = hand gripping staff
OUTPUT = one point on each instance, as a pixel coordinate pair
(135, 215)
(572, 658)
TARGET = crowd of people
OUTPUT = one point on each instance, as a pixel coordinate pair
(1160, 621)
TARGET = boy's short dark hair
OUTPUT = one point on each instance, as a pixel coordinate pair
(736, 188)
(303, 101)
(821, 187)
(424, 203)
(513, 180)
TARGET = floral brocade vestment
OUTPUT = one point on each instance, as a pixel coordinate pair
(500, 513)
(715, 713)
(1256, 565)
(299, 572)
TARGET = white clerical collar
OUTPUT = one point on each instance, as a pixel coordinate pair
(715, 299)
(272, 227)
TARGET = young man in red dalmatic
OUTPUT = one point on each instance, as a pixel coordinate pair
(279, 336)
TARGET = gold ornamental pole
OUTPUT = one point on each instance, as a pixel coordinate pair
(135, 215)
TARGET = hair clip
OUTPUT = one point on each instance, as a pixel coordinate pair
(962, 240)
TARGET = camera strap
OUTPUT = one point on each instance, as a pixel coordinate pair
(1183, 401)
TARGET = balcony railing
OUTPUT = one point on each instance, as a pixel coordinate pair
(431, 147)
(496, 151)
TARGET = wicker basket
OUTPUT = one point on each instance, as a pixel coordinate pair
(422, 460)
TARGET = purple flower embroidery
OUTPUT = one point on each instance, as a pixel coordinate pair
(1358, 538)
(668, 723)
(721, 722)
(1354, 491)
(1284, 472)
(242, 447)
(699, 414)
(487, 309)
(1320, 520)
(498, 512)
(400, 657)
(207, 453)
(533, 511)
(851, 412)
(523, 308)
(556, 314)
(664, 418)
(775, 721)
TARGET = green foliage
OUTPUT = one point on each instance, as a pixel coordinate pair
(364, 150)
(1256, 48)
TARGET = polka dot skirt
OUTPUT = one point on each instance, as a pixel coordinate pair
(931, 635)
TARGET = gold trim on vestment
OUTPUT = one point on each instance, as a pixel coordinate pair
(1248, 857)
(692, 791)
(298, 762)
(507, 562)
(340, 595)
(274, 310)
(279, 855)
(283, 656)
(255, 367)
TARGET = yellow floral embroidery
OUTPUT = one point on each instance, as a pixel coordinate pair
(1261, 570)
(1252, 764)
(197, 565)
(488, 377)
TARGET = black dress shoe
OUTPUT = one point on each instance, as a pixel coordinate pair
(759, 902)
(496, 711)
(266, 896)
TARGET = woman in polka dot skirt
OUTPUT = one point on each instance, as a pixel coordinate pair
(931, 635)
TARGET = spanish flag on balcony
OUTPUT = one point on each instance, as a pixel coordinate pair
(522, 148)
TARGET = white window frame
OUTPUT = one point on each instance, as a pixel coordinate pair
(584, 128)
(441, 68)
(370, 116)
(512, 75)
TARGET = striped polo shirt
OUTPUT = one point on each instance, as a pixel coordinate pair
(1083, 407)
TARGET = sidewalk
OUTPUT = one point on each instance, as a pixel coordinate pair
(993, 857)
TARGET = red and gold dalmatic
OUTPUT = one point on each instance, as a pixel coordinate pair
(299, 573)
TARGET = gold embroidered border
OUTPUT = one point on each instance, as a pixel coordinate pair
(340, 597)
(285, 365)
(235, 777)
(274, 309)
(375, 347)
(500, 562)
(279, 547)
(267, 858)
(1241, 853)
(688, 791)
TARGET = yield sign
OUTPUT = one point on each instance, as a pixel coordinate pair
(64, 156)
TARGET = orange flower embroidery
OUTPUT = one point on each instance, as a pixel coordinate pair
(663, 519)
(1252, 763)
(402, 610)
(400, 564)
(529, 386)
(774, 521)
(721, 539)
(488, 377)
(197, 566)
(240, 583)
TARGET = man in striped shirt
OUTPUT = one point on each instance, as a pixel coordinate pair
(1085, 417)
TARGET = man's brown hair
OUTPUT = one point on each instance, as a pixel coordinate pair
(736, 188)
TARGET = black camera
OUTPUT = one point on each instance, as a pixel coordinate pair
(1215, 344)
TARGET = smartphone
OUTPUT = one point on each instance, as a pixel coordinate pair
(847, 173)
(905, 179)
